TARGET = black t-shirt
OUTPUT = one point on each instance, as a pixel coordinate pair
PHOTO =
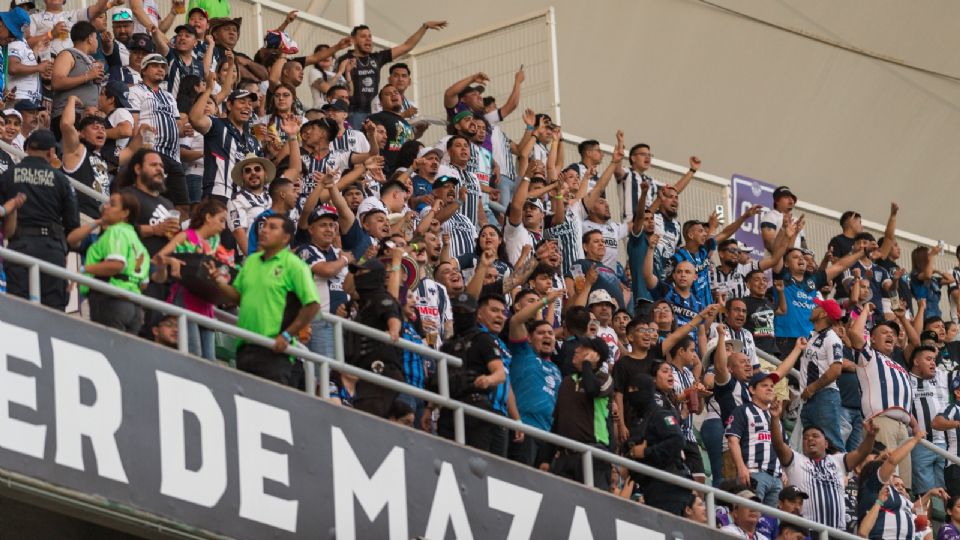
(841, 245)
(366, 78)
(626, 369)
(51, 199)
(759, 322)
(5, 162)
(376, 308)
(153, 210)
(398, 132)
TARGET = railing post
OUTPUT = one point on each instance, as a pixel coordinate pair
(458, 428)
(443, 378)
(588, 469)
(309, 377)
(183, 335)
(259, 12)
(825, 534)
(711, 501)
(338, 341)
(34, 283)
(325, 380)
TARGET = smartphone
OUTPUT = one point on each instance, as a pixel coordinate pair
(720, 210)
(942, 245)
(895, 303)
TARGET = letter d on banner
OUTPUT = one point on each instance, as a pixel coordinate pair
(177, 396)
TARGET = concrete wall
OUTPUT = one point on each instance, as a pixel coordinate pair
(843, 130)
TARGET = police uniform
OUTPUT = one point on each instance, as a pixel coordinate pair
(47, 216)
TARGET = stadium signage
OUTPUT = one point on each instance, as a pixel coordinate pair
(101, 413)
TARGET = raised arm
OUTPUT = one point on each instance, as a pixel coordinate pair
(783, 450)
(791, 359)
(649, 277)
(842, 264)
(198, 119)
(415, 38)
(160, 40)
(721, 373)
(139, 13)
(452, 94)
(71, 137)
(601, 186)
(511, 104)
(732, 228)
(96, 9)
(636, 226)
(347, 217)
(484, 262)
(854, 458)
(856, 331)
(518, 323)
(688, 176)
(683, 330)
(888, 234)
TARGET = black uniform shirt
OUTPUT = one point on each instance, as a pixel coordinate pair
(51, 199)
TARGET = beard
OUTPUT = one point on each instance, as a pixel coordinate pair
(154, 183)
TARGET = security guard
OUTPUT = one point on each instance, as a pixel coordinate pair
(47, 216)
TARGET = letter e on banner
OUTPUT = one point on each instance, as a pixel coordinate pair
(17, 435)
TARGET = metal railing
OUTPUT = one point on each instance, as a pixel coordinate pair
(443, 399)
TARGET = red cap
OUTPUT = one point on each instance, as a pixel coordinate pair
(831, 307)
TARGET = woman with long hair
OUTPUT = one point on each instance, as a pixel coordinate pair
(489, 239)
(269, 128)
(925, 280)
(321, 77)
(117, 257)
(208, 220)
(663, 316)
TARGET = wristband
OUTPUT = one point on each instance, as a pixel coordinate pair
(879, 502)
(693, 171)
(395, 268)
(286, 336)
(3, 212)
(529, 128)
(558, 197)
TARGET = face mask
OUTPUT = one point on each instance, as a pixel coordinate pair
(371, 280)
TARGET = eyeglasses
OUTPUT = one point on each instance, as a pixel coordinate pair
(252, 168)
(647, 330)
(732, 250)
(122, 16)
(643, 154)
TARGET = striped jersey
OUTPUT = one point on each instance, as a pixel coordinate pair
(433, 305)
(751, 425)
(744, 337)
(471, 204)
(244, 207)
(631, 193)
(952, 412)
(480, 164)
(885, 385)
(463, 232)
(351, 140)
(159, 110)
(682, 380)
(414, 371)
(822, 351)
(330, 290)
(927, 403)
(733, 283)
(669, 230)
(501, 152)
(224, 145)
(895, 518)
(824, 481)
(569, 235)
(179, 69)
(331, 162)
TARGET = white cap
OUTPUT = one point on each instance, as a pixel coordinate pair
(370, 204)
(601, 296)
(744, 248)
(12, 112)
(430, 149)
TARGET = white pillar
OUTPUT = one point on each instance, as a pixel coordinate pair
(356, 13)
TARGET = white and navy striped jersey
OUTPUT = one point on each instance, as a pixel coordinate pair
(895, 521)
(613, 233)
(822, 351)
(471, 205)
(179, 69)
(159, 110)
(682, 380)
(631, 193)
(351, 140)
(743, 336)
(582, 170)
(332, 161)
(569, 235)
(540, 152)
(734, 283)
(223, 147)
(824, 481)
(433, 305)
(330, 290)
(751, 425)
(244, 207)
(927, 404)
(463, 232)
(670, 239)
(952, 412)
(885, 386)
(480, 164)
(500, 144)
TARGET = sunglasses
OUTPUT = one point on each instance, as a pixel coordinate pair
(252, 168)
(122, 16)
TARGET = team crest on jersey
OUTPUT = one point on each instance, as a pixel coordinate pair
(838, 350)
(811, 284)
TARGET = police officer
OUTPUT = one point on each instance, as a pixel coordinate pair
(482, 371)
(379, 310)
(44, 221)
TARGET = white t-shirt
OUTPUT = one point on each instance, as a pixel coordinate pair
(775, 218)
(314, 75)
(117, 117)
(193, 143)
(515, 238)
(609, 336)
(28, 86)
(42, 22)
(740, 533)
(612, 233)
(153, 11)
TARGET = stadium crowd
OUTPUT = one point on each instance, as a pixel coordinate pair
(226, 190)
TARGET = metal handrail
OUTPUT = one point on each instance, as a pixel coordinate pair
(443, 399)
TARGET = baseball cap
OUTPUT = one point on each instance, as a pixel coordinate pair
(153, 58)
(11, 112)
(601, 296)
(444, 180)
(790, 493)
(761, 375)
(744, 248)
(200, 10)
(831, 307)
(370, 205)
(324, 210)
(535, 202)
(430, 150)
(469, 89)
(783, 191)
(326, 124)
(337, 105)
(223, 21)
(41, 139)
(464, 303)
(16, 20)
(929, 335)
(121, 14)
(748, 494)
(27, 105)
(118, 91)
(240, 93)
(185, 28)
(461, 115)
(142, 42)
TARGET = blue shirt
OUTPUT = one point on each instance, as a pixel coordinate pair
(800, 294)
(637, 247)
(498, 395)
(684, 309)
(701, 266)
(929, 290)
(355, 240)
(413, 368)
(253, 236)
(421, 187)
(535, 382)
